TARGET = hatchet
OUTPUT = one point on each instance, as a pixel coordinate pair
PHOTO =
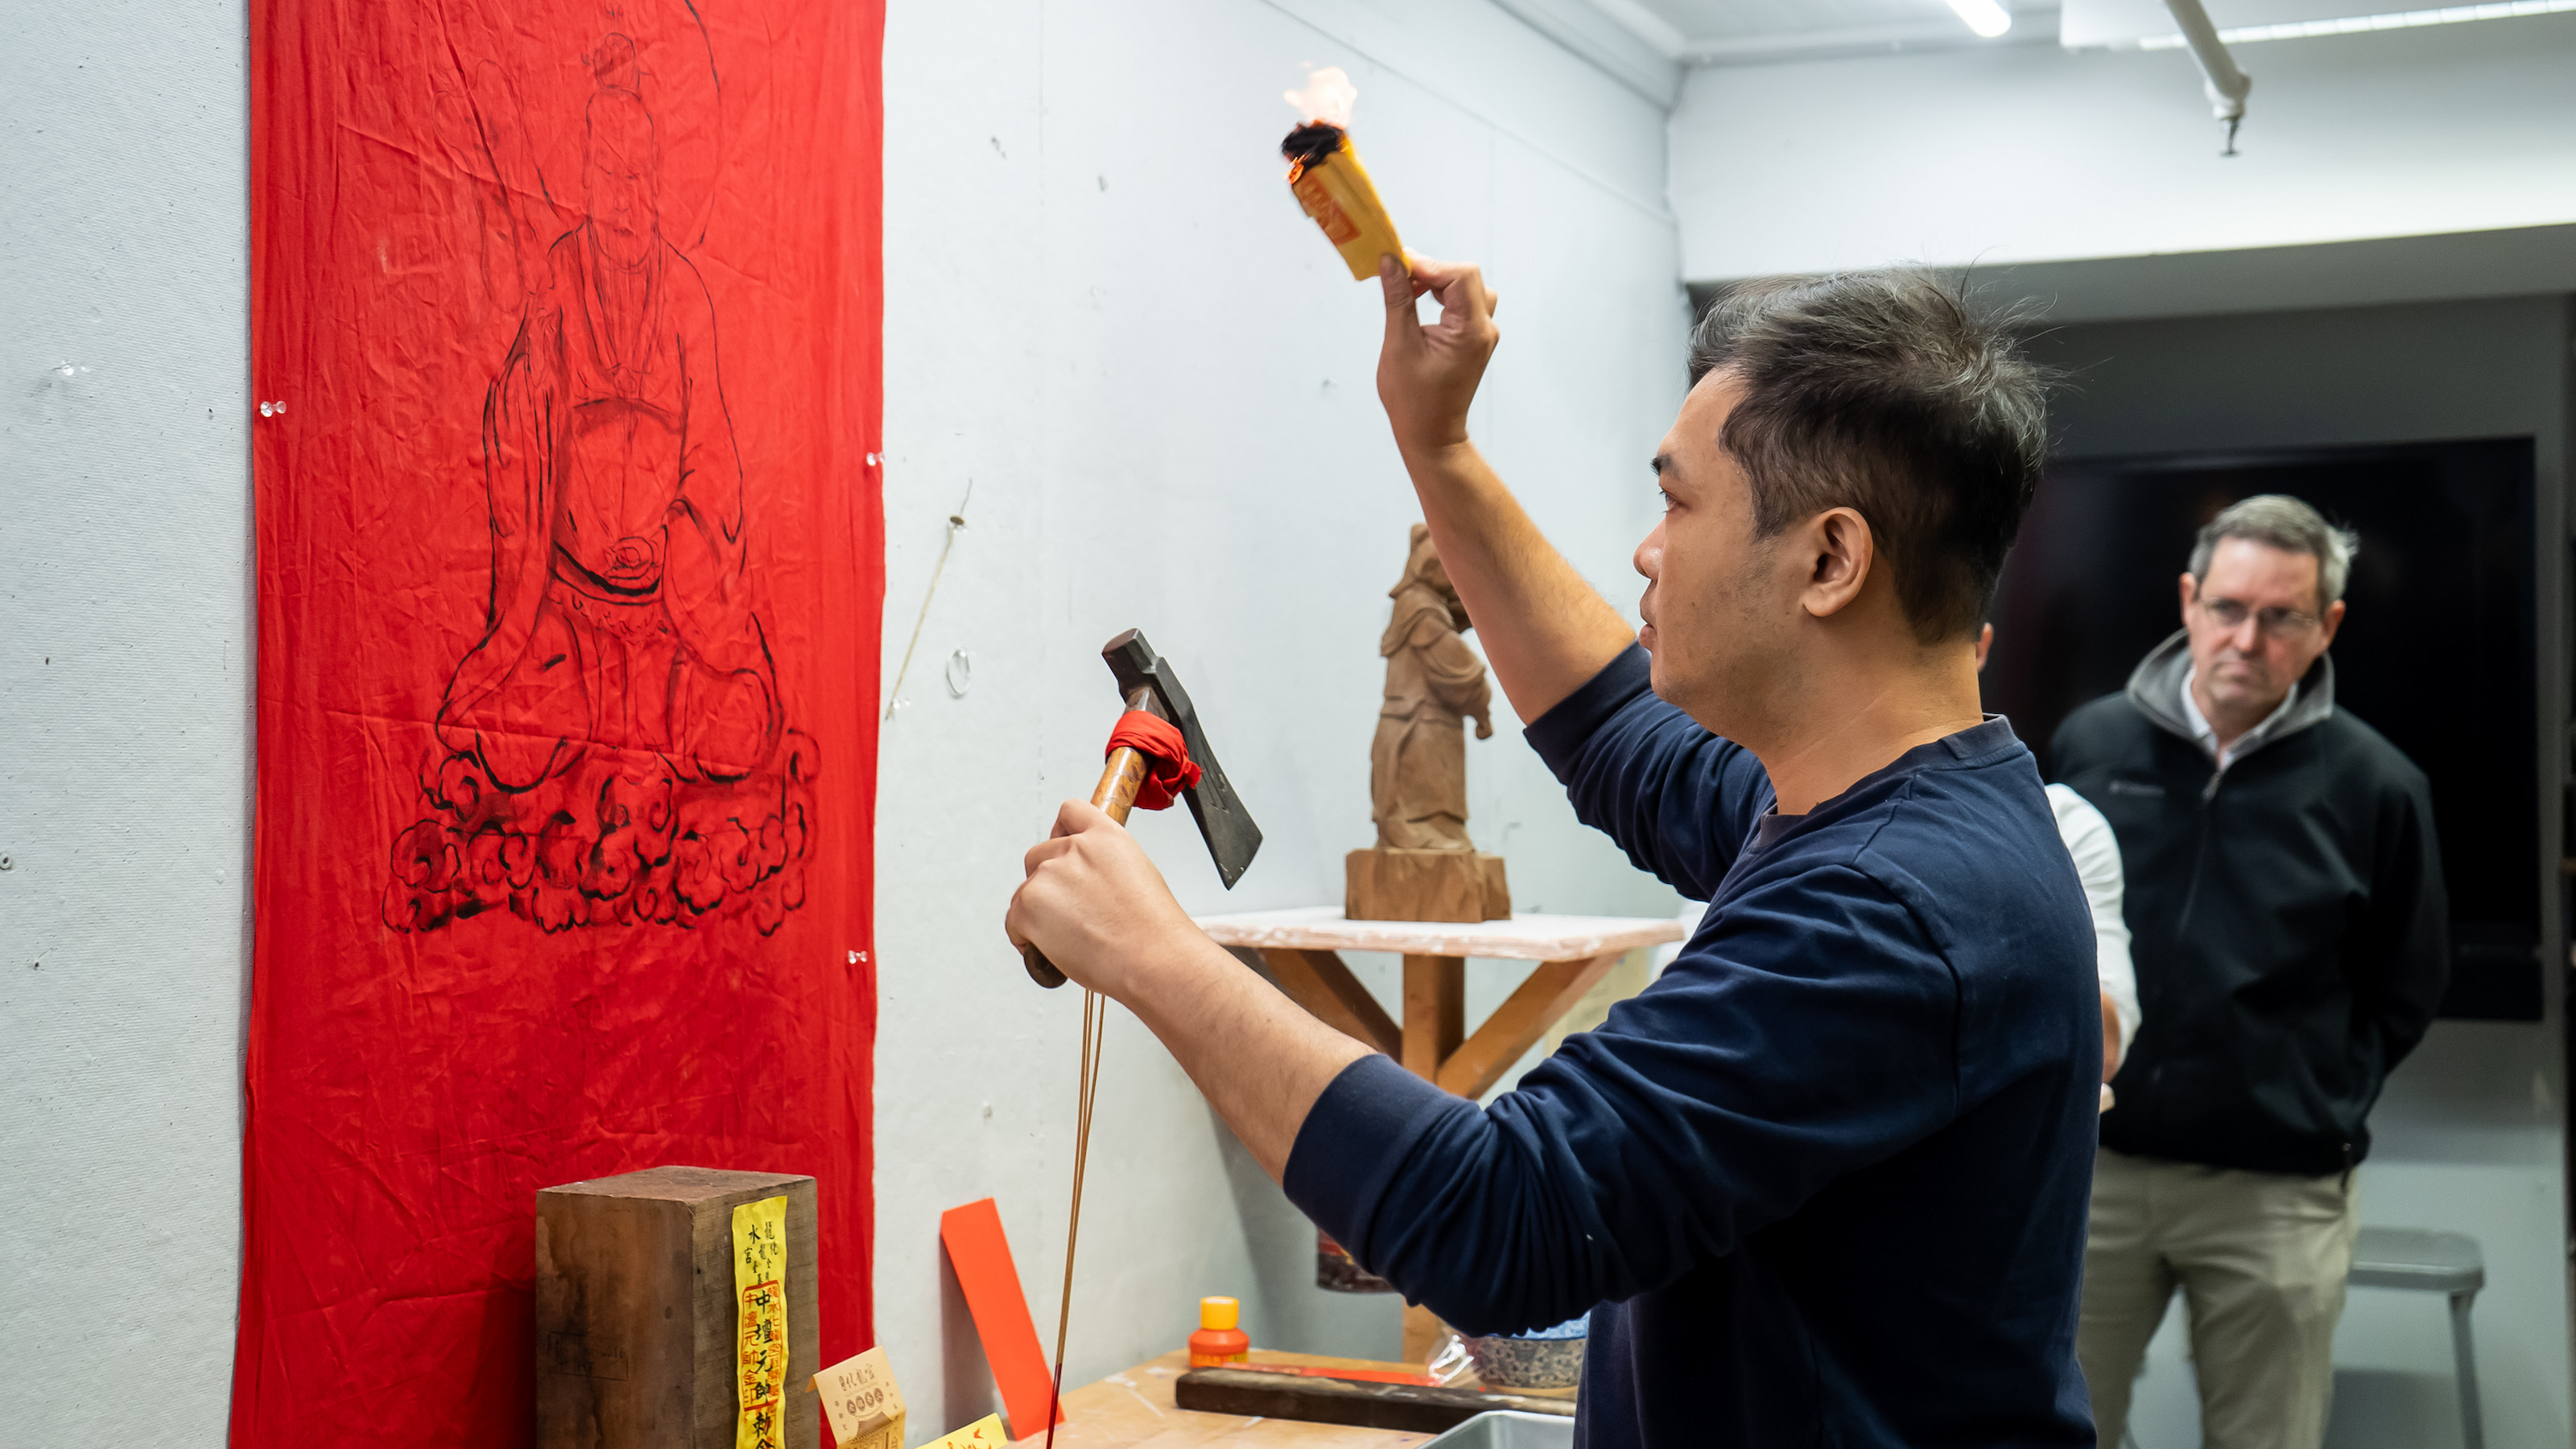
(1146, 683)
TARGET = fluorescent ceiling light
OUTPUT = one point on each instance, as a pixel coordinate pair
(2356, 24)
(1990, 19)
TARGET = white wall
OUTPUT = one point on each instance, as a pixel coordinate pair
(2469, 1136)
(1105, 310)
(2026, 152)
(125, 650)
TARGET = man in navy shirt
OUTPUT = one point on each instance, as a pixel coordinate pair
(1824, 1182)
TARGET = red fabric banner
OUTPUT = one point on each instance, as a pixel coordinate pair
(565, 345)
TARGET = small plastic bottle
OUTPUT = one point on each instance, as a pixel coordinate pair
(1218, 1342)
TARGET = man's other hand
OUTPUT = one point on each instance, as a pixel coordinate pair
(1094, 902)
(1426, 376)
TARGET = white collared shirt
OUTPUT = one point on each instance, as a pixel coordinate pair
(2096, 851)
(2208, 737)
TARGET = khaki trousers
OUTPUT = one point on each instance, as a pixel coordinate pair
(2261, 1259)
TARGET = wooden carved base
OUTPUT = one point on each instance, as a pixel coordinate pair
(1425, 885)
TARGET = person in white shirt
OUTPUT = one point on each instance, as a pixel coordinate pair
(2096, 851)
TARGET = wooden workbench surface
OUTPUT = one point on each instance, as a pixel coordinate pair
(1135, 1408)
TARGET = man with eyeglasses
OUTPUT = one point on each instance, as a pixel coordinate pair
(2289, 933)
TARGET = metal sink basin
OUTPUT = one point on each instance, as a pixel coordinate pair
(1509, 1429)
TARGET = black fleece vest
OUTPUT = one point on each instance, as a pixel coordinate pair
(2289, 929)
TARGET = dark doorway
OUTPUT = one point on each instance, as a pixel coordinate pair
(2437, 652)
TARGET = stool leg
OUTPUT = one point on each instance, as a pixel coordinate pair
(2472, 1430)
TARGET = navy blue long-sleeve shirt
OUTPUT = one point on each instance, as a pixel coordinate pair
(1826, 1179)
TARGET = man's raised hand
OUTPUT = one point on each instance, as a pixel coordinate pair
(1426, 376)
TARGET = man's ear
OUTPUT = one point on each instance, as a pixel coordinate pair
(2185, 590)
(1841, 553)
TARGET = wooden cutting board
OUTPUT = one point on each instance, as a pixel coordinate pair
(1416, 1407)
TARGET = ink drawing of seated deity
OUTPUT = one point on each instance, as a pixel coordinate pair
(614, 746)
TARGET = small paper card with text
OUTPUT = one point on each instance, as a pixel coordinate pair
(861, 1402)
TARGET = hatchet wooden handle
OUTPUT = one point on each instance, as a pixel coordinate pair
(1121, 776)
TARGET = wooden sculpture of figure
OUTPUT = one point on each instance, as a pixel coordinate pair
(1434, 684)
(1424, 867)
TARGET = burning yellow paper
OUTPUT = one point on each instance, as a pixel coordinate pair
(1325, 175)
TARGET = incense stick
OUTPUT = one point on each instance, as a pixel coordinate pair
(1095, 1026)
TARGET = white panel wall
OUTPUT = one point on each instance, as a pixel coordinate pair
(1106, 311)
(1103, 309)
(2029, 153)
(2469, 1135)
(125, 652)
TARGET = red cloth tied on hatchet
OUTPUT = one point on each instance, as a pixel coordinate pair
(1148, 763)
(1160, 741)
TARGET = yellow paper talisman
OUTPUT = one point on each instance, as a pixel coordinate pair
(984, 1433)
(760, 1287)
(1336, 191)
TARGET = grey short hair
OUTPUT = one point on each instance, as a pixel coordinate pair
(2288, 524)
(1887, 392)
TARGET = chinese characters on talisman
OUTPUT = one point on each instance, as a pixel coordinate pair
(760, 1282)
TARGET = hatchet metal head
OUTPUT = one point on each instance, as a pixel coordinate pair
(1232, 838)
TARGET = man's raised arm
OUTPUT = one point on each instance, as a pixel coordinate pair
(1545, 630)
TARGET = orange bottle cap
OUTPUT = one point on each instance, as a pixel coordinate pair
(1219, 1313)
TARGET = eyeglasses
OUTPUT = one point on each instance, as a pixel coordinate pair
(2278, 622)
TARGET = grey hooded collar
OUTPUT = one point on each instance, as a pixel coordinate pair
(2155, 687)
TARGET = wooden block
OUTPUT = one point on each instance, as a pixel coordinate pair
(638, 1322)
(1424, 885)
(1409, 1407)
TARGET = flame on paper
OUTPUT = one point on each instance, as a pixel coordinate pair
(1328, 97)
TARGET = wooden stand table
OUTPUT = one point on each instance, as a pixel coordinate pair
(1301, 949)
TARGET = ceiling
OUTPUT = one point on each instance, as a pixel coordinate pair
(1716, 18)
(1719, 31)
(1647, 44)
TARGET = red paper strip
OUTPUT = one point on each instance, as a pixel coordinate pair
(565, 348)
(982, 1257)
